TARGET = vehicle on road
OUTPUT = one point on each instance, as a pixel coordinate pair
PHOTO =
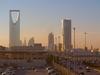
(88, 69)
(82, 73)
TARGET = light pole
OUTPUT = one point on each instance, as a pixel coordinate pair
(74, 36)
(85, 40)
(59, 43)
(56, 44)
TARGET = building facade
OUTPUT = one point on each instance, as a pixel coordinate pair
(67, 34)
(51, 41)
(14, 28)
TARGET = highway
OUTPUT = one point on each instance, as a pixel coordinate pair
(79, 68)
(40, 66)
(31, 72)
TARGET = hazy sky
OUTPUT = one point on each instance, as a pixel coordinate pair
(39, 17)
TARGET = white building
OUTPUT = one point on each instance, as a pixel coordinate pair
(51, 41)
(14, 29)
(66, 34)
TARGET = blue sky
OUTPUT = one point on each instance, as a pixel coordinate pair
(39, 17)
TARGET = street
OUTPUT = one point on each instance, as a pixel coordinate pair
(32, 72)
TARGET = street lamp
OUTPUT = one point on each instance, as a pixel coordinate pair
(85, 40)
(74, 36)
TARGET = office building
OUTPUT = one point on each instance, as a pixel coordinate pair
(67, 34)
(14, 28)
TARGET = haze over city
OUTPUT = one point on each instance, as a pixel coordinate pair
(49, 37)
(40, 17)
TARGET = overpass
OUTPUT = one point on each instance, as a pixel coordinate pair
(24, 58)
(23, 54)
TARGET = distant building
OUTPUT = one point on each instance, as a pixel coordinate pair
(51, 41)
(20, 43)
(55, 47)
(24, 44)
(59, 46)
(37, 46)
(31, 42)
(67, 34)
(2, 48)
(14, 23)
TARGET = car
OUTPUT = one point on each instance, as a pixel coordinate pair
(48, 68)
(71, 68)
(88, 69)
(53, 72)
(80, 68)
(3, 73)
(8, 72)
(35, 70)
(23, 68)
(18, 68)
(12, 73)
(82, 73)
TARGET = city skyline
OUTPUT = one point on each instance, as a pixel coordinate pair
(36, 17)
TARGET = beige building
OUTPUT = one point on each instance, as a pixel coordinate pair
(51, 41)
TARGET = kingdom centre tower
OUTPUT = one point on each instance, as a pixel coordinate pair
(14, 28)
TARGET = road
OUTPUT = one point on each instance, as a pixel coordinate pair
(78, 67)
(32, 72)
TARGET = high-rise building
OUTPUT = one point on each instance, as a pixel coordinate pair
(14, 28)
(67, 34)
(51, 41)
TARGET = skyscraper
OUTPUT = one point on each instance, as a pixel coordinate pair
(51, 41)
(14, 28)
(67, 34)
